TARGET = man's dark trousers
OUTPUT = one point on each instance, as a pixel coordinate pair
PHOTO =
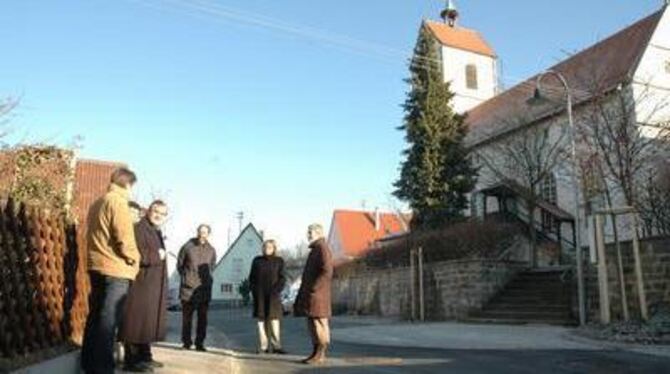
(188, 307)
(105, 313)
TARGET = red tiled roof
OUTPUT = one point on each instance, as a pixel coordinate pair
(92, 178)
(605, 64)
(357, 231)
(460, 38)
(91, 181)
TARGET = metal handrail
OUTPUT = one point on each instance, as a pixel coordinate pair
(539, 228)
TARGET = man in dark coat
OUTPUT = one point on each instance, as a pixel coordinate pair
(314, 297)
(195, 265)
(145, 314)
(266, 281)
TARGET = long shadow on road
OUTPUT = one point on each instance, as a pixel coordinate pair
(235, 331)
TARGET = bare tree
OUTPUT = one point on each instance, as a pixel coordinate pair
(6, 106)
(526, 158)
(654, 202)
(623, 132)
(6, 161)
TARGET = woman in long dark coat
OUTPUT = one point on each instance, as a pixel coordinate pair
(266, 281)
(145, 316)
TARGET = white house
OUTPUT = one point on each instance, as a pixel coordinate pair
(634, 61)
(233, 268)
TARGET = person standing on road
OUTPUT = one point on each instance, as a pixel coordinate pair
(146, 314)
(266, 281)
(314, 297)
(195, 265)
(113, 263)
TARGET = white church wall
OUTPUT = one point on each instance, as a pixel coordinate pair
(454, 66)
(651, 82)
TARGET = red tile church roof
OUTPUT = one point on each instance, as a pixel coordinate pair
(460, 38)
(604, 66)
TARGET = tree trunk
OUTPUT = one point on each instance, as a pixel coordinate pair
(620, 274)
(532, 233)
(622, 280)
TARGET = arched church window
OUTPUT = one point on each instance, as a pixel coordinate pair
(471, 76)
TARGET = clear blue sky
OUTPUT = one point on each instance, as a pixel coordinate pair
(283, 109)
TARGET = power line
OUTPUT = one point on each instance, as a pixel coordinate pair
(223, 13)
(220, 12)
(359, 46)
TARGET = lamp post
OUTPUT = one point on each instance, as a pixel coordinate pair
(539, 99)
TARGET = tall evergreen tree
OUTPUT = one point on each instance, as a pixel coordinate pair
(437, 172)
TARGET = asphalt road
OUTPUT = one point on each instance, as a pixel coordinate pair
(234, 332)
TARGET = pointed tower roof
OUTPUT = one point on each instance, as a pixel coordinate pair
(460, 38)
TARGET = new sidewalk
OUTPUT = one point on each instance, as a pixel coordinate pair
(455, 335)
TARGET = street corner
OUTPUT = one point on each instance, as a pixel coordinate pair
(349, 362)
(177, 360)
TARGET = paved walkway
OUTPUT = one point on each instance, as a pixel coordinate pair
(453, 335)
(216, 360)
(179, 361)
(373, 345)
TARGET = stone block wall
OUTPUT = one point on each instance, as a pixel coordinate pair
(655, 257)
(452, 289)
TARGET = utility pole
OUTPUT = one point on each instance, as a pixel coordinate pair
(422, 312)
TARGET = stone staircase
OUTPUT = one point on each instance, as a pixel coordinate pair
(534, 296)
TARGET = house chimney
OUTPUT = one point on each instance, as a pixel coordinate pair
(377, 219)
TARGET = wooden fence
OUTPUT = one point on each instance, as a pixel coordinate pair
(43, 282)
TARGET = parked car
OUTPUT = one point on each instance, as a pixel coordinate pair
(173, 303)
(288, 296)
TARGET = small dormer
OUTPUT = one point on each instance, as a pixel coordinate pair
(468, 61)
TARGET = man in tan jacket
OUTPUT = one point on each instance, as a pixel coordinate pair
(113, 263)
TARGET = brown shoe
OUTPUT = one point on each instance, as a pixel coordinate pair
(319, 357)
(311, 356)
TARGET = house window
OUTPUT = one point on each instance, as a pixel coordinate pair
(476, 159)
(237, 266)
(549, 194)
(477, 205)
(548, 189)
(471, 77)
(226, 288)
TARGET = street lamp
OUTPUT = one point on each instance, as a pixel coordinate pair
(539, 99)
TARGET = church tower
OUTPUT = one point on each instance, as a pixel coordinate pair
(468, 61)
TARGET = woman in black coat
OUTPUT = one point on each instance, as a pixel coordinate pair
(266, 281)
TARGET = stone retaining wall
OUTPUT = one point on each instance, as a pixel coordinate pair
(451, 289)
(655, 257)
